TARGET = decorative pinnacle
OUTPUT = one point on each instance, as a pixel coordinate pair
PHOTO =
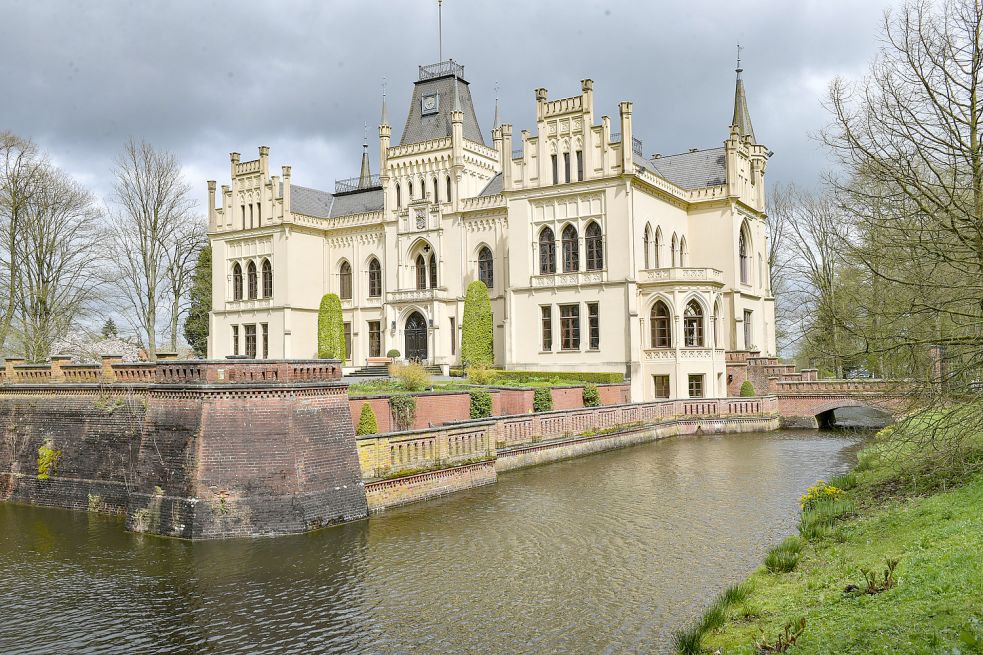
(385, 113)
(739, 70)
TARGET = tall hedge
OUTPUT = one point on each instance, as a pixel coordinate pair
(330, 329)
(196, 324)
(477, 340)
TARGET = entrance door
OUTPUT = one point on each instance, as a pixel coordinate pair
(416, 337)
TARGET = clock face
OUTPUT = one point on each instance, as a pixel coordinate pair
(429, 104)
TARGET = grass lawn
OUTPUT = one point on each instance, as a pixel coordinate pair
(931, 521)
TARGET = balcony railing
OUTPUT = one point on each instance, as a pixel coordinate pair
(414, 295)
(356, 184)
(680, 274)
(440, 69)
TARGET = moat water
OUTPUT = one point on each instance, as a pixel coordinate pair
(604, 554)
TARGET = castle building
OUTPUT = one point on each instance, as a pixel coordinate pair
(596, 257)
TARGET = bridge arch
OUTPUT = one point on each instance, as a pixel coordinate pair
(809, 412)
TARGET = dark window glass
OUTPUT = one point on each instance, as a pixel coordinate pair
(266, 341)
(259, 213)
(433, 271)
(375, 278)
(267, 279)
(453, 336)
(547, 252)
(348, 341)
(448, 199)
(251, 279)
(436, 195)
(696, 386)
(399, 198)
(693, 325)
(594, 326)
(236, 281)
(594, 244)
(580, 166)
(556, 171)
(375, 339)
(661, 386)
(235, 339)
(421, 272)
(660, 325)
(546, 312)
(486, 267)
(566, 167)
(251, 341)
(345, 281)
(571, 251)
(570, 327)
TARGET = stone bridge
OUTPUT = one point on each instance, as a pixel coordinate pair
(803, 399)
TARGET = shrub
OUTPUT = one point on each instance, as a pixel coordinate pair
(591, 397)
(481, 374)
(330, 329)
(784, 557)
(403, 409)
(747, 389)
(412, 376)
(481, 404)
(561, 376)
(542, 399)
(477, 339)
(366, 421)
(392, 352)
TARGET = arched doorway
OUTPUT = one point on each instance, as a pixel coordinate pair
(416, 337)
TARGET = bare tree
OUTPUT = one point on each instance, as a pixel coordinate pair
(181, 251)
(152, 207)
(58, 261)
(909, 136)
(22, 168)
(781, 206)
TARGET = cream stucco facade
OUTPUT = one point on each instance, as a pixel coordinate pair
(596, 257)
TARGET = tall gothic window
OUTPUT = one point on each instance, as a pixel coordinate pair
(486, 271)
(399, 197)
(236, 281)
(693, 324)
(433, 270)
(267, 279)
(251, 280)
(580, 165)
(661, 326)
(675, 251)
(571, 251)
(556, 172)
(421, 272)
(547, 251)
(647, 244)
(658, 247)
(436, 195)
(448, 198)
(745, 256)
(345, 280)
(566, 167)
(594, 244)
(375, 278)
(409, 186)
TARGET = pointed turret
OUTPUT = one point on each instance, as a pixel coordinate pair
(497, 121)
(742, 118)
(365, 176)
(385, 111)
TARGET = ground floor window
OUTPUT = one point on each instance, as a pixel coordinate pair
(453, 336)
(266, 340)
(375, 339)
(235, 340)
(594, 324)
(696, 386)
(546, 312)
(661, 386)
(348, 341)
(570, 327)
(748, 331)
(250, 341)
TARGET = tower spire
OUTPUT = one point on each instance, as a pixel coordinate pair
(365, 176)
(497, 121)
(742, 118)
(385, 112)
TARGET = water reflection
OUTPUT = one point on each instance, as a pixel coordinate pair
(607, 553)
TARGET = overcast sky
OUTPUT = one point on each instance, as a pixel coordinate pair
(203, 78)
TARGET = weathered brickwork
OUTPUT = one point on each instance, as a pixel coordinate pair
(414, 488)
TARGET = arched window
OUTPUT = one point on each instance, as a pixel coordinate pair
(547, 251)
(661, 325)
(345, 281)
(646, 244)
(421, 272)
(399, 198)
(594, 245)
(436, 195)
(410, 187)
(745, 257)
(571, 250)
(251, 282)
(375, 278)
(448, 199)
(236, 281)
(693, 325)
(675, 250)
(683, 252)
(658, 246)
(485, 267)
(267, 279)
(433, 270)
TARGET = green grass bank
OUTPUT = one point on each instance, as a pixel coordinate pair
(889, 562)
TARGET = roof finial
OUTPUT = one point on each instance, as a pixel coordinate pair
(496, 122)
(739, 69)
(385, 113)
(440, 31)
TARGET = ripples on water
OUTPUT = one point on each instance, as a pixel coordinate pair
(604, 554)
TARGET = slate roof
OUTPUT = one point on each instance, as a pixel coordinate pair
(494, 186)
(421, 128)
(690, 170)
(321, 204)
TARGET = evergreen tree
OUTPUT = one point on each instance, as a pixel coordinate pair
(196, 324)
(109, 329)
(477, 339)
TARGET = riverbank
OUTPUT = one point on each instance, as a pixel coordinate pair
(890, 563)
